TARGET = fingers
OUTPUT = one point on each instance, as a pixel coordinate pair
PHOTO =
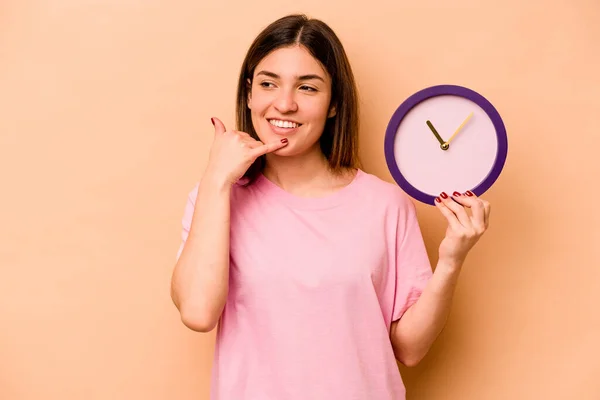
(479, 208)
(219, 126)
(450, 216)
(246, 141)
(269, 147)
(457, 209)
(251, 143)
(487, 207)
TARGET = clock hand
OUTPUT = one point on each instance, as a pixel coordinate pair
(459, 128)
(437, 135)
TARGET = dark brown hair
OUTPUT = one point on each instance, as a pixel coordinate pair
(339, 141)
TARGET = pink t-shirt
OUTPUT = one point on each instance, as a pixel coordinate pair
(314, 285)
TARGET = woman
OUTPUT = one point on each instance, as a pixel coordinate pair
(315, 271)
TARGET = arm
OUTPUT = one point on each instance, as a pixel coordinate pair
(414, 333)
(199, 284)
(200, 281)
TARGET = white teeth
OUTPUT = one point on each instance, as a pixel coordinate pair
(283, 124)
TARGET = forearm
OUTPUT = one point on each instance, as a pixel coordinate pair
(200, 279)
(413, 335)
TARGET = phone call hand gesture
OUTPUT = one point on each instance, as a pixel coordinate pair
(233, 152)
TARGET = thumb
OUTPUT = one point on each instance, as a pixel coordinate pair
(219, 126)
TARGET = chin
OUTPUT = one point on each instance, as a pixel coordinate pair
(284, 151)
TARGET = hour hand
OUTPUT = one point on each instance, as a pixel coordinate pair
(437, 135)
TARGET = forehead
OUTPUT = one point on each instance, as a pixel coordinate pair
(291, 62)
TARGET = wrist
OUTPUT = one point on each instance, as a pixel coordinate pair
(216, 182)
(450, 266)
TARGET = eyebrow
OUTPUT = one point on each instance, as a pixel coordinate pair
(301, 78)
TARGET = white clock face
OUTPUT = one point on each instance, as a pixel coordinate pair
(470, 154)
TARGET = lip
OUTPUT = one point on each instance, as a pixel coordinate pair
(282, 131)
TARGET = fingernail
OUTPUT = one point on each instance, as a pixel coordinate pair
(456, 194)
(469, 193)
(284, 140)
(213, 121)
(444, 195)
(438, 199)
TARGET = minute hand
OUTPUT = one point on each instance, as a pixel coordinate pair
(459, 128)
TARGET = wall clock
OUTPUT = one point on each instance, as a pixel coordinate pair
(445, 138)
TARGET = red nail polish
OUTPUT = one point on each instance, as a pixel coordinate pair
(444, 195)
(456, 194)
(469, 193)
(284, 140)
(213, 121)
(438, 199)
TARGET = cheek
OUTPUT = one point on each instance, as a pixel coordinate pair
(259, 101)
(315, 108)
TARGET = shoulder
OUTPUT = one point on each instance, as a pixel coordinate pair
(383, 193)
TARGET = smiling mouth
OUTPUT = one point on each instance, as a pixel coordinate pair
(284, 124)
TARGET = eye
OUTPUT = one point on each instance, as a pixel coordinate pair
(308, 88)
(267, 84)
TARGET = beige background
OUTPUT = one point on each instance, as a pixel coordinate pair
(105, 113)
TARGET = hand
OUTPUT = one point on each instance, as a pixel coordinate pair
(459, 129)
(435, 133)
(463, 230)
(233, 152)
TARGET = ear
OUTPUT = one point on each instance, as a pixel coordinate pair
(249, 90)
(332, 112)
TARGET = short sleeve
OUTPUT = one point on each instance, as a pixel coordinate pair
(413, 268)
(186, 220)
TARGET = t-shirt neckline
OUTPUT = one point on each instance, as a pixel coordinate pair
(331, 200)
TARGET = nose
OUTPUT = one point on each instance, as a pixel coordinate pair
(286, 101)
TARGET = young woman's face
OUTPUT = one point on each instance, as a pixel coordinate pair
(290, 98)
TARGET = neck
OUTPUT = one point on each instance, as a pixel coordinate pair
(298, 174)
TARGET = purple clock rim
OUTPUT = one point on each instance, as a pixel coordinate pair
(441, 90)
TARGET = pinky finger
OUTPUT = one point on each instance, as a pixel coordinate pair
(269, 147)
